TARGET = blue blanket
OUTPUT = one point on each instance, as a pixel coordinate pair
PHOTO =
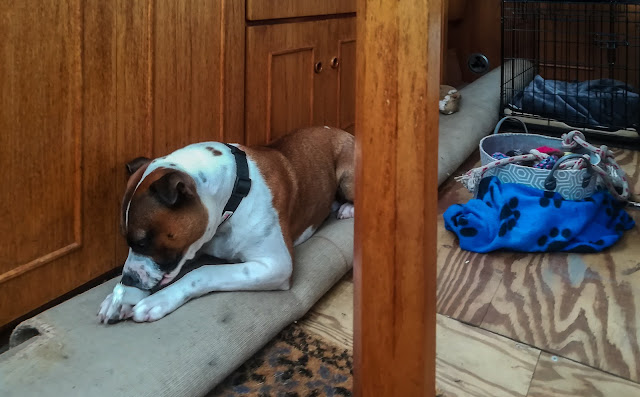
(603, 102)
(520, 218)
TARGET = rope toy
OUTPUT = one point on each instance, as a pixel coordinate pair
(607, 169)
(612, 175)
(472, 177)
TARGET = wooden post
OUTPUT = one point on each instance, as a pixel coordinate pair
(398, 74)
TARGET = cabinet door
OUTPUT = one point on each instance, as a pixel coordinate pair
(343, 62)
(299, 75)
(58, 217)
(286, 78)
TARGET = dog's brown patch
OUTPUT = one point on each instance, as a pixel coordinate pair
(214, 151)
(276, 172)
(322, 160)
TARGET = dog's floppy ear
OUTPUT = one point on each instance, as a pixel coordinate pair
(135, 164)
(173, 188)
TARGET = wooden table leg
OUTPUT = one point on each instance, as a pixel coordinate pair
(398, 75)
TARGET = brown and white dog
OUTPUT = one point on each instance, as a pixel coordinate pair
(174, 210)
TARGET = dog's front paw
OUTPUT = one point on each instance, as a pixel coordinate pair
(346, 211)
(112, 310)
(156, 306)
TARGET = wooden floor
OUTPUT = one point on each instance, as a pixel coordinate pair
(514, 324)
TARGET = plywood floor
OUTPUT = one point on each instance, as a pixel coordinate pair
(514, 324)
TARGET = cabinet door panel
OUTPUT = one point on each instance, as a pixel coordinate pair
(346, 55)
(57, 97)
(283, 90)
(290, 91)
(40, 113)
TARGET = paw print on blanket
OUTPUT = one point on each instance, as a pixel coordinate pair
(466, 231)
(556, 240)
(615, 210)
(551, 198)
(589, 248)
(508, 216)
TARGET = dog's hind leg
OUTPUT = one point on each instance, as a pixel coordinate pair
(345, 170)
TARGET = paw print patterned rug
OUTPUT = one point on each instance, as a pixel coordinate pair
(514, 217)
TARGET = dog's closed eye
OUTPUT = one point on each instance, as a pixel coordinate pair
(140, 243)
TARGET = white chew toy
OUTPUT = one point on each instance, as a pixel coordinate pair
(118, 295)
(122, 299)
(123, 295)
(128, 295)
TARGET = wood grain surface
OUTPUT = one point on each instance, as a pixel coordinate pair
(270, 9)
(474, 362)
(470, 361)
(559, 377)
(398, 54)
(580, 306)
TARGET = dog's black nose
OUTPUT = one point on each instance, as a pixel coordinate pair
(130, 280)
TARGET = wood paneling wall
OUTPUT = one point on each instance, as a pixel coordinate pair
(85, 86)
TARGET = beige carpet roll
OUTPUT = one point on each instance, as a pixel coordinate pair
(185, 354)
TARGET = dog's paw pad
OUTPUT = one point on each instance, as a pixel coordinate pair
(346, 211)
(147, 314)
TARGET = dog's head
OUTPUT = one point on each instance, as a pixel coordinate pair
(162, 218)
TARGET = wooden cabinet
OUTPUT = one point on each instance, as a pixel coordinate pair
(85, 86)
(469, 27)
(299, 74)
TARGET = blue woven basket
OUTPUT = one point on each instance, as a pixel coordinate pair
(570, 184)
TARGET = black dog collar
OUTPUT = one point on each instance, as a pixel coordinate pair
(242, 185)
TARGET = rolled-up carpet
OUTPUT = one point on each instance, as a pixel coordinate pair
(65, 352)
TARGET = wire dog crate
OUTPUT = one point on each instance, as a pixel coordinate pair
(573, 65)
